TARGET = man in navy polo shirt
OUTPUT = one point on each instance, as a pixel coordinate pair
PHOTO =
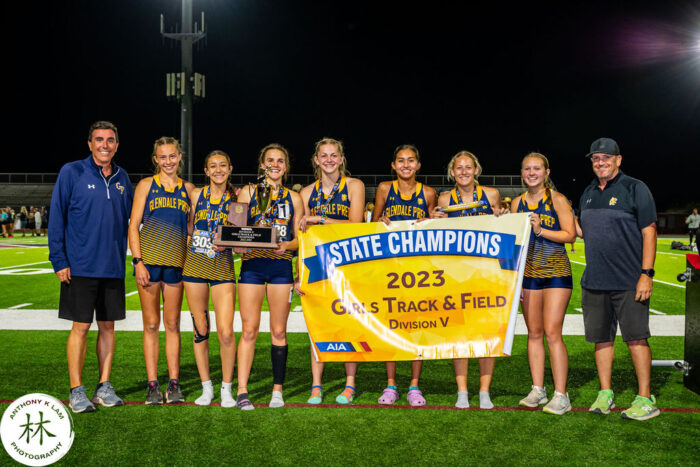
(90, 209)
(618, 219)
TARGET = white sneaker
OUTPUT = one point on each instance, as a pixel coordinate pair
(276, 401)
(559, 405)
(537, 396)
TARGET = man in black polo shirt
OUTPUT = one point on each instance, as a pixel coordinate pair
(618, 219)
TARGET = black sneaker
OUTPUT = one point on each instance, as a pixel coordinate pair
(173, 395)
(154, 396)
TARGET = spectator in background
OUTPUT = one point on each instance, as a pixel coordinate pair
(31, 221)
(693, 222)
(45, 220)
(23, 215)
(37, 222)
(4, 219)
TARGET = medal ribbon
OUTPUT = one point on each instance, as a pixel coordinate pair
(328, 200)
(213, 221)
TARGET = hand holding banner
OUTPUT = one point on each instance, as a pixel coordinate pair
(441, 288)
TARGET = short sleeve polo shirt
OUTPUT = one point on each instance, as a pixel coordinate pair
(612, 220)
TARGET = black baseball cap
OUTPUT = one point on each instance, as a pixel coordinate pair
(604, 146)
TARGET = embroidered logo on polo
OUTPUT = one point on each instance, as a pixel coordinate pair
(91, 187)
(120, 188)
(613, 201)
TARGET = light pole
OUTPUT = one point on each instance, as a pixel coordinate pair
(186, 85)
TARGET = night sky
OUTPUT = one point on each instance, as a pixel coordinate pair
(499, 81)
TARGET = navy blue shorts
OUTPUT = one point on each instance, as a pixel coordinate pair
(539, 283)
(167, 274)
(199, 280)
(266, 271)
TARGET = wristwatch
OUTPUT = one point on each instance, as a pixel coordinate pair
(134, 261)
(649, 272)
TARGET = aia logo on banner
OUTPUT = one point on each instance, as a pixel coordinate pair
(343, 347)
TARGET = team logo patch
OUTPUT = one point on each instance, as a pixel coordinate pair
(613, 201)
(344, 197)
(420, 201)
(184, 194)
(120, 188)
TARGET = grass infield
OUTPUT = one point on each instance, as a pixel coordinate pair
(364, 434)
(34, 361)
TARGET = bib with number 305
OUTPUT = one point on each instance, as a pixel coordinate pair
(201, 243)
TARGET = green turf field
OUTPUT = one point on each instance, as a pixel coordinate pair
(34, 361)
(188, 435)
(26, 277)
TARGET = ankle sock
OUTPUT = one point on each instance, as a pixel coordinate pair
(485, 400)
(462, 400)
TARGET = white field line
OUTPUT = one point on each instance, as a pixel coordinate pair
(672, 254)
(655, 280)
(19, 306)
(669, 325)
(131, 293)
(656, 312)
(22, 265)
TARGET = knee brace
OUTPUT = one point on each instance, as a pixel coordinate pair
(198, 337)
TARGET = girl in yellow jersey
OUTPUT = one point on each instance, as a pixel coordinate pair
(547, 281)
(333, 198)
(464, 169)
(268, 272)
(158, 241)
(209, 271)
(398, 200)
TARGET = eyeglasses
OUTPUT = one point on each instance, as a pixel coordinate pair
(601, 158)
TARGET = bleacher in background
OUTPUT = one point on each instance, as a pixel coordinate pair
(34, 189)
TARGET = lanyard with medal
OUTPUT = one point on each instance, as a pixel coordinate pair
(321, 210)
(202, 239)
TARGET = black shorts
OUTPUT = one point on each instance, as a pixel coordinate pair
(86, 298)
(603, 309)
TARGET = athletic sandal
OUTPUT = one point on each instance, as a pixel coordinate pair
(415, 398)
(389, 396)
(347, 396)
(316, 395)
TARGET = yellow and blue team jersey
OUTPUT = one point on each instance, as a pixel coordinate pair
(401, 208)
(163, 234)
(479, 195)
(336, 207)
(545, 258)
(215, 267)
(282, 217)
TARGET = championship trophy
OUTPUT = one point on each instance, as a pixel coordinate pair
(238, 234)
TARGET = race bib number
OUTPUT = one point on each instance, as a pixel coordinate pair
(281, 230)
(283, 211)
(201, 243)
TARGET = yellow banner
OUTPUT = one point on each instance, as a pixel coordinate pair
(436, 289)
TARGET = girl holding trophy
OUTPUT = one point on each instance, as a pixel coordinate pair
(468, 198)
(332, 198)
(398, 200)
(267, 272)
(209, 271)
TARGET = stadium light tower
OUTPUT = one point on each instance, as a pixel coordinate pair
(186, 86)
